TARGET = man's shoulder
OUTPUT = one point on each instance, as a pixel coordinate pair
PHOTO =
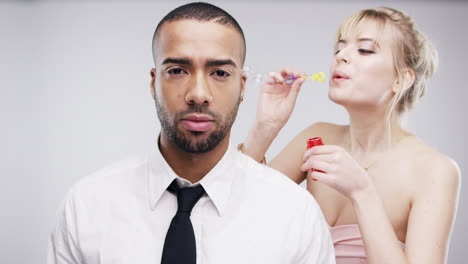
(271, 180)
(269, 190)
(116, 176)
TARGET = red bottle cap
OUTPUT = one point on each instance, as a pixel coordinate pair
(312, 142)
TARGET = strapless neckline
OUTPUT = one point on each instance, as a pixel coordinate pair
(348, 243)
(350, 228)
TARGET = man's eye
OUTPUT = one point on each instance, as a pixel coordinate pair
(175, 71)
(221, 73)
(366, 51)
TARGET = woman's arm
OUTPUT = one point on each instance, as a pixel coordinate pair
(289, 160)
(433, 213)
(275, 106)
(431, 216)
(429, 225)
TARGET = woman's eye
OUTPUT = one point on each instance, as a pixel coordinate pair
(221, 73)
(337, 51)
(366, 51)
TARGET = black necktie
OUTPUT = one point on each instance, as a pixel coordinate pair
(179, 246)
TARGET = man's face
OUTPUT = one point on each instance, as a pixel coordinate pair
(198, 82)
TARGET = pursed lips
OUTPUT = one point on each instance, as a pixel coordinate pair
(339, 76)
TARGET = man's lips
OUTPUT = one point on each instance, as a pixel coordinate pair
(198, 123)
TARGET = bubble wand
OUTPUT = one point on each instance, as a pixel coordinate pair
(319, 77)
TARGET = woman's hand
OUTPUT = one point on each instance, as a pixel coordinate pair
(340, 170)
(275, 105)
(277, 99)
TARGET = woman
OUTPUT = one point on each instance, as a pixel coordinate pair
(387, 196)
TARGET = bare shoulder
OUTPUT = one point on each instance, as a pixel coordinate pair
(290, 159)
(329, 132)
(432, 167)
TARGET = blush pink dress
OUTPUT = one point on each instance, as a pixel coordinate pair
(349, 247)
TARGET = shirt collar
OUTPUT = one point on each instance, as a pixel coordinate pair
(217, 182)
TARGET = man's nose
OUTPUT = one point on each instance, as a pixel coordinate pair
(198, 91)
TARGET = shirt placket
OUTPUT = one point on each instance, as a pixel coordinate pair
(197, 222)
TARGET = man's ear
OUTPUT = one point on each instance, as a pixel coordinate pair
(153, 80)
(408, 80)
(243, 81)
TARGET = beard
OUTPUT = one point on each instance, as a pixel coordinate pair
(196, 142)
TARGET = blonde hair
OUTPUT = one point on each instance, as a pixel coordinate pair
(411, 50)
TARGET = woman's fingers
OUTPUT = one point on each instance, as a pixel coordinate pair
(316, 164)
(279, 77)
(321, 177)
(322, 150)
(269, 79)
(275, 77)
(296, 86)
(291, 71)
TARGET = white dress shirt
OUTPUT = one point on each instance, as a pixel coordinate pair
(249, 214)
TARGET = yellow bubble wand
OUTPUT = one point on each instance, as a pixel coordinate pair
(319, 77)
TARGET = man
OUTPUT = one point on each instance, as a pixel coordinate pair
(194, 199)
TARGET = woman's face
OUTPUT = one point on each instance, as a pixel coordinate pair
(362, 73)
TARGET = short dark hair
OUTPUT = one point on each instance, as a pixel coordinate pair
(201, 12)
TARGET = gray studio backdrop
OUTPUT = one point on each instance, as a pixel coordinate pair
(75, 94)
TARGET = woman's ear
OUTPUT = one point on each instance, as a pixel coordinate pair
(405, 83)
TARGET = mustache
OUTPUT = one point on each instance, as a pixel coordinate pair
(200, 109)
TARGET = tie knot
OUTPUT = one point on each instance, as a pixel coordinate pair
(187, 197)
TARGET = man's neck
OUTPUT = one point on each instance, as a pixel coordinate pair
(191, 166)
